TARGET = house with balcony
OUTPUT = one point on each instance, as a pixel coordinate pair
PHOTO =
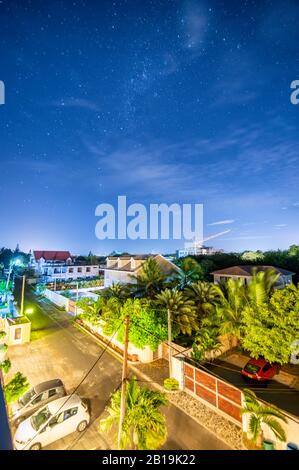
(246, 273)
(60, 265)
(122, 269)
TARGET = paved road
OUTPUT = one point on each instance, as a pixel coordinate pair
(68, 353)
(274, 392)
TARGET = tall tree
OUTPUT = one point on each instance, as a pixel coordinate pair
(271, 329)
(205, 296)
(231, 307)
(150, 280)
(190, 272)
(179, 310)
(144, 426)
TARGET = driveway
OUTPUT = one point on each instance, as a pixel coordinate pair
(62, 350)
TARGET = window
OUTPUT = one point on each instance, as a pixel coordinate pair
(18, 333)
(69, 413)
(267, 367)
(88, 269)
(71, 270)
(52, 392)
(79, 270)
(40, 397)
(56, 420)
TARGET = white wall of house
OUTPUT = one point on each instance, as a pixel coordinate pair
(69, 272)
(117, 277)
(282, 281)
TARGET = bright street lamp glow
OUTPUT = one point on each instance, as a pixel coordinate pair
(29, 310)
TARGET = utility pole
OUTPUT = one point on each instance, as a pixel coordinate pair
(124, 381)
(169, 342)
(23, 294)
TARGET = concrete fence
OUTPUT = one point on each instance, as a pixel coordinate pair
(57, 299)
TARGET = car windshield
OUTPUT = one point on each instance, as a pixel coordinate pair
(38, 419)
(27, 397)
(252, 368)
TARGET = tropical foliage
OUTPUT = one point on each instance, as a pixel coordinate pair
(190, 272)
(150, 280)
(91, 310)
(181, 310)
(17, 386)
(262, 414)
(144, 426)
(206, 340)
(272, 328)
(5, 365)
(204, 296)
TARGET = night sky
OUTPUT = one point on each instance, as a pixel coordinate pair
(161, 101)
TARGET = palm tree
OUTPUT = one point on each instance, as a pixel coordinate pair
(206, 340)
(204, 295)
(262, 414)
(150, 279)
(261, 287)
(121, 292)
(231, 307)
(190, 272)
(144, 426)
(91, 309)
(181, 311)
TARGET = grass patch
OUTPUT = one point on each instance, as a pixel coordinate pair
(41, 324)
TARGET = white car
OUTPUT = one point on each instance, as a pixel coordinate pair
(52, 422)
(35, 398)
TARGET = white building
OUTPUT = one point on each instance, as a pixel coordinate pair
(122, 269)
(246, 273)
(51, 265)
(197, 249)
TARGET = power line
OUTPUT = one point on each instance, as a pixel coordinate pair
(82, 380)
(78, 438)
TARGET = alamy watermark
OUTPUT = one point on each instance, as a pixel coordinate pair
(155, 222)
(2, 92)
(295, 94)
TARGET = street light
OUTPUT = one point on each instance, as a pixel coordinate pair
(29, 310)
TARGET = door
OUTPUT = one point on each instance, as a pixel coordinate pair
(18, 335)
(54, 430)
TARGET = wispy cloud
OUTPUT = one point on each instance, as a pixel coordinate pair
(194, 24)
(222, 222)
(75, 103)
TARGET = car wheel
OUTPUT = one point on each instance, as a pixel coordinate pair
(36, 446)
(82, 426)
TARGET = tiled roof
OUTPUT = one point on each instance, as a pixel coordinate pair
(51, 255)
(248, 270)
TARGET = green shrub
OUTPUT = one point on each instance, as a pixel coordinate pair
(5, 365)
(171, 384)
(15, 388)
(3, 348)
(2, 334)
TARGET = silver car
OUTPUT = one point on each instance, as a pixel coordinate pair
(36, 397)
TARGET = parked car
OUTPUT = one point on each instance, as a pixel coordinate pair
(37, 397)
(52, 422)
(260, 370)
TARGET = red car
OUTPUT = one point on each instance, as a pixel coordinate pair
(260, 369)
